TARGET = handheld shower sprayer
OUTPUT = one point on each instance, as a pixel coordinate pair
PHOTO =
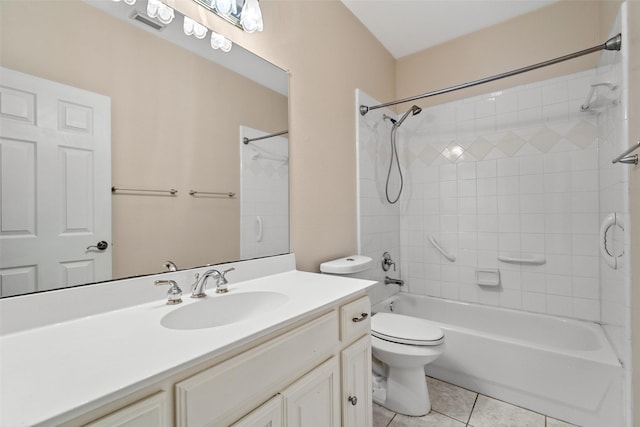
(414, 110)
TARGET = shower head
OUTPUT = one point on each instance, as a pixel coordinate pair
(413, 110)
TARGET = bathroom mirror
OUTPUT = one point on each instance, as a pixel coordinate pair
(178, 113)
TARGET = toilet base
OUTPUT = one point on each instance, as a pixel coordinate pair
(407, 392)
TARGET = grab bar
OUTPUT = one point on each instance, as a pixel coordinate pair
(527, 261)
(444, 253)
(626, 158)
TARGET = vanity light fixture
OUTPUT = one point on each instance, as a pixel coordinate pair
(162, 12)
(193, 28)
(251, 16)
(219, 41)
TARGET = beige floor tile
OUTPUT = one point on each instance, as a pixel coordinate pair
(552, 422)
(381, 416)
(489, 412)
(451, 400)
(433, 419)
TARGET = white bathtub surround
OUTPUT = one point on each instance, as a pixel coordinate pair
(614, 189)
(53, 369)
(559, 367)
(515, 175)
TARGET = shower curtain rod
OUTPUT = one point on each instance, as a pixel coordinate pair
(248, 140)
(614, 43)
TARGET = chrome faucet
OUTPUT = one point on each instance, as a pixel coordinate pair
(197, 289)
(174, 295)
(390, 281)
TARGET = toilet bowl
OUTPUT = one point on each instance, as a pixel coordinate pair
(404, 345)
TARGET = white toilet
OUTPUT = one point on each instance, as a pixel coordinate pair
(404, 345)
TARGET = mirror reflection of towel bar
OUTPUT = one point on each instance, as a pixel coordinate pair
(172, 191)
(211, 193)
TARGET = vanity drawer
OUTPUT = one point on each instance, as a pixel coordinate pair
(355, 319)
(222, 394)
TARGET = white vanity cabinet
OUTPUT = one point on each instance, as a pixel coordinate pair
(311, 368)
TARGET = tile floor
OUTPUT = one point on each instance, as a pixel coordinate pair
(453, 406)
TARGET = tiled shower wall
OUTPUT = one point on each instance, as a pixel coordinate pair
(513, 173)
(264, 207)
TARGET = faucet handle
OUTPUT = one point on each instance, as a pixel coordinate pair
(224, 279)
(174, 294)
(221, 283)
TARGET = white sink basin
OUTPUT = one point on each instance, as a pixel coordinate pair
(223, 310)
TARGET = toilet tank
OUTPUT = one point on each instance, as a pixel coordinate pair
(351, 266)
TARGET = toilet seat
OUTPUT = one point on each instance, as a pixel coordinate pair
(402, 329)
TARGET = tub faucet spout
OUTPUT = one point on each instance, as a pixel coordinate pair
(390, 281)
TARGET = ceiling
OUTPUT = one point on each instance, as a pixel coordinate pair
(408, 26)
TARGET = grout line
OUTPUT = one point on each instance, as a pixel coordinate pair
(391, 420)
(472, 408)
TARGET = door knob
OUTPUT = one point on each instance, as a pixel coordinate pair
(353, 400)
(101, 246)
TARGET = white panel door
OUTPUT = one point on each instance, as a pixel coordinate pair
(55, 180)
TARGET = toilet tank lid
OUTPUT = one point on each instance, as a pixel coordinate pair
(346, 265)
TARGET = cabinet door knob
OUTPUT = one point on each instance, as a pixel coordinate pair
(353, 400)
(361, 318)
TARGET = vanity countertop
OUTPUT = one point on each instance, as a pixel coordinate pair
(57, 372)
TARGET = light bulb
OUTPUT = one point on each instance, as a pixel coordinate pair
(165, 14)
(152, 8)
(156, 9)
(226, 46)
(251, 16)
(226, 7)
(217, 40)
(193, 28)
(187, 25)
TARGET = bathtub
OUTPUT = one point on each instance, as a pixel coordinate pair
(559, 367)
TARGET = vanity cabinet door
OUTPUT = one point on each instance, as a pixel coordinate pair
(314, 400)
(149, 412)
(267, 415)
(356, 384)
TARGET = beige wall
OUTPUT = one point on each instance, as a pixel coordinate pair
(175, 119)
(547, 33)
